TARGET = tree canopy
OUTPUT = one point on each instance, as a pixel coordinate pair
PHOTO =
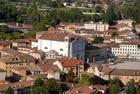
(131, 87)
(114, 86)
(114, 34)
(98, 40)
(49, 87)
(9, 91)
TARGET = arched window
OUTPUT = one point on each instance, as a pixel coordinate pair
(46, 47)
(61, 49)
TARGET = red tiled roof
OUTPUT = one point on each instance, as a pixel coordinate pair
(35, 48)
(21, 56)
(57, 36)
(105, 69)
(3, 82)
(66, 62)
(125, 72)
(53, 29)
(83, 89)
(5, 43)
(20, 27)
(100, 87)
(17, 85)
(47, 67)
(1, 70)
(34, 77)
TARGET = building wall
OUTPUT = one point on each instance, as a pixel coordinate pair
(77, 49)
(9, 66)
(35, 55)
(60, 47)
(97, 26)
(2, 75)
(77, 69)
(126, 51)
(19, 74)
(25, 90)
(137, 27)
(125, 28)
(59, 65)
(34, 44)
(101, 74)
(55, 76)
(129, 23)
(125, 79)
(95, 54)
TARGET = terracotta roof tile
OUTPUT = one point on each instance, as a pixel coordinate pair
(47, 67)
(17, 85)
(4, 82)
(34, 77)
(5, 43)
(100, 87)
(84, 89)
(70, 62)
(21, 56)
(57, 36)
(125, 72)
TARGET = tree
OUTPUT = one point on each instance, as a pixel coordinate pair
(114, 34)
(105, 60)
(137, 88)
(97, 80)
(70, 76)
(114, 86)
(85, 79)
(4, 28)
(112, 14)
(40, 26)
(98, 40)
(131, 87)
(9, 91)
(51, 87)
(37, 87)
(29, 35)
(17, 35)
(98, 9)
(96, 18)
(37, 83)
(7, 36)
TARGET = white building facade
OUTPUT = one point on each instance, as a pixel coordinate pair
(126, 21)
(63, 44)
(130, 50)
(96, 26)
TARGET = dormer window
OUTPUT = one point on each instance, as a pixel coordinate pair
(61, 49)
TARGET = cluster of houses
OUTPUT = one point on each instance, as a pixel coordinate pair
(53, 53)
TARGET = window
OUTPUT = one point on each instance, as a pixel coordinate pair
(46, 48)
(61, 49)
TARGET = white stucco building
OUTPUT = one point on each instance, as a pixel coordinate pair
(129, 22)
(96, 26)
(65, 44)
(126, 50)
